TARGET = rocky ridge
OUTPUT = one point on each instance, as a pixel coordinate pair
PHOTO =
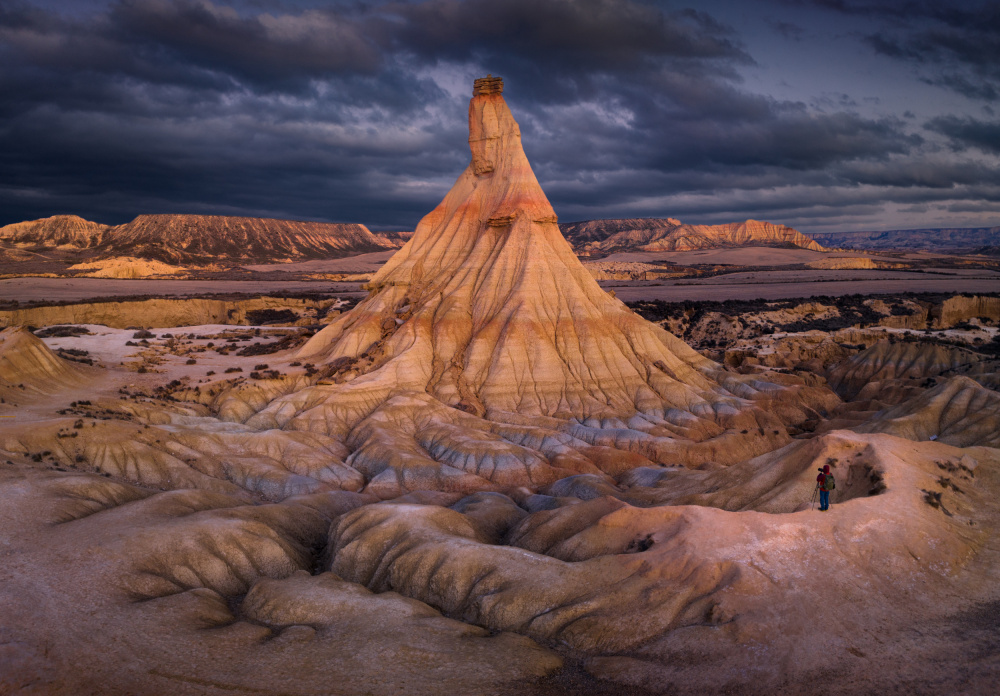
(197, 239)
(653, 234)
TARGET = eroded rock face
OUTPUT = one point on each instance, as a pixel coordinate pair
(488, 311)
(959, 411)
(58, 230)
(197, 239)
(874, 372)
(27, 365)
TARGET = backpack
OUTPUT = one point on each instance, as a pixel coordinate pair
(829, 483)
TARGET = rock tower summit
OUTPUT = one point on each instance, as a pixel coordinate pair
(486, 313)
(487, 85)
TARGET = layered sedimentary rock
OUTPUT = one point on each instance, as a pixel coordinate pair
(488, 313)
(59, 230)
(28, 365)
(206, 238)
(873, 372)
(652, 234)
(126, 267)
(961, 308)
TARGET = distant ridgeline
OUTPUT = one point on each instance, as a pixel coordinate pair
(194, 239)
(669, 234)
(968, 239)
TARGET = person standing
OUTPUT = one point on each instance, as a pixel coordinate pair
(825, 484)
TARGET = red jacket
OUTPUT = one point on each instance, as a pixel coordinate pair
(821, 480)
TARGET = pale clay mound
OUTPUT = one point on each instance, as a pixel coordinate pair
(488, 474)
(126, 267)
(27, 366)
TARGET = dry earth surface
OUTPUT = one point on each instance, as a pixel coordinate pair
(491, 476)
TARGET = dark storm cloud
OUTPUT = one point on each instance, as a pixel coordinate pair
(265, 49)
(789, 30)
(968, 132)
(595, 34)
(958, 43)
(349, 111)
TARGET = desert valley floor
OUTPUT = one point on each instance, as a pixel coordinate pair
(478, 463)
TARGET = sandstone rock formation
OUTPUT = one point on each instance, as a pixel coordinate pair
(963, 308)
(206, 238)
(607, 236)
(57, 231)
(28, 366)
(487, 324)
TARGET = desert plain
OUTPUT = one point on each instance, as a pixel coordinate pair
(485, 458)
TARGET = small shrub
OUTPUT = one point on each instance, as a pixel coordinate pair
(233, 369)
(191, 361)
(142, 333)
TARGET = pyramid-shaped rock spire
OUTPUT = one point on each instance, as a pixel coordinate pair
(488, 310)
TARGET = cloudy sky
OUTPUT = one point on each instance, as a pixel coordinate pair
(821, 114)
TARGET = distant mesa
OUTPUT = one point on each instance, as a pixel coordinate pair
(669, 234)
(198, 239)
(56, 231)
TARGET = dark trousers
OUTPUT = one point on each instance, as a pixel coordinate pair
(824, 499)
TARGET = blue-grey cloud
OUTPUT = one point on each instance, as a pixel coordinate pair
(356, 112)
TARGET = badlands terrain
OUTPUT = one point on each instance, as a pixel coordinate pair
(476, 464)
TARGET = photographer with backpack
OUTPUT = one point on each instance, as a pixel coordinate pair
(825, 483)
